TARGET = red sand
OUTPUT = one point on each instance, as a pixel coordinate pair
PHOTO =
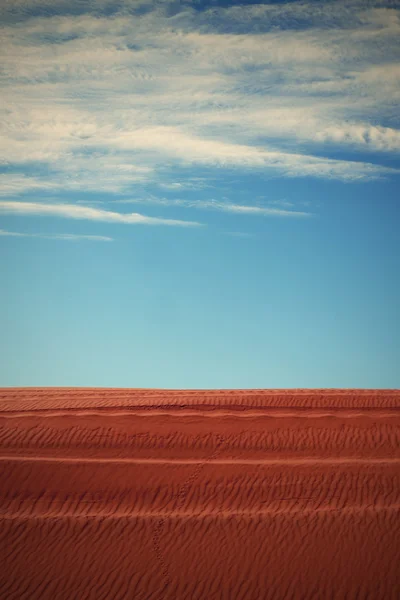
(154, 494)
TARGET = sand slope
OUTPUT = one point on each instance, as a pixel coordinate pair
(153, 494)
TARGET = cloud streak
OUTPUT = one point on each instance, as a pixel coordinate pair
(69, 237)
(71, 211)
(224, 206)
(258, 210)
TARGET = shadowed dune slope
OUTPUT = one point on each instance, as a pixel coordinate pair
(220, 494)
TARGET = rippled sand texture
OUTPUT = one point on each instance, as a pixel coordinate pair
(237, 495)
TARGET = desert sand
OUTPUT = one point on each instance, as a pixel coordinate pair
(199, 495)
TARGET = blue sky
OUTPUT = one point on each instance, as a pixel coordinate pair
(200, 194)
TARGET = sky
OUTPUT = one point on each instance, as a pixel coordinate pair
(200, 194)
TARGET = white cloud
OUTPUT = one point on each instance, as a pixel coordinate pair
(71, 237)
(107, 103)
(224, 206)
(72, 211)
(11, 184)
(379, 138)
(193, 183)
(258, 210)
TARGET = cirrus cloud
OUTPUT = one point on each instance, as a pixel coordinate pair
(105, 98)
(73, 211)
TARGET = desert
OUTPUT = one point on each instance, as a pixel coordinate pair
(199, 494)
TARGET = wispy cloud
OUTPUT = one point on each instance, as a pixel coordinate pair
(72, 211)
(13, 184)
(224, 206)
(70, 237)
(107, 101)
(258, 210)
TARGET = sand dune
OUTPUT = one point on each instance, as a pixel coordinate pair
(167, 494)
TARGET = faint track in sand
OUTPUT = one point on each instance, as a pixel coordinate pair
(181, 497)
